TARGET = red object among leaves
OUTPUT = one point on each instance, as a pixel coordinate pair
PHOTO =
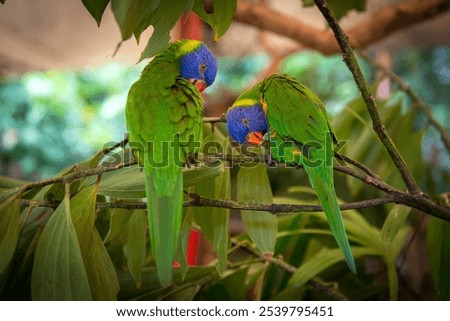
(191, 28)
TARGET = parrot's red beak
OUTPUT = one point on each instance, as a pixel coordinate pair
(255, 138)
(200, 84)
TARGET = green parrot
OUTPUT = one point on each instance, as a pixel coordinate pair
(282, 113)
(164, 121)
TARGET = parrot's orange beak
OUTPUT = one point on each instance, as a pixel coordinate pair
(200, 84)
(255, 138)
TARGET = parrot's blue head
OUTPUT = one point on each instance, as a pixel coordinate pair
(247, 121)
(197, 63)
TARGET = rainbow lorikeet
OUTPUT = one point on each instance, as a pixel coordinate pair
(282, 113)
(164, 120)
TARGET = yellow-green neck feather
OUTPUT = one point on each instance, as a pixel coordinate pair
(186, 46)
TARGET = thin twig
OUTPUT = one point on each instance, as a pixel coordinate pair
(426, 109)
(77, 173)
(316, 283)
(201, 201)
(378, 126)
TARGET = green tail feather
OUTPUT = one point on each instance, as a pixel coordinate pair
(164, 218)
(324, 188)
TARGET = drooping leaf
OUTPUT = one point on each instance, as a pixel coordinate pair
(96, 8)
(163, 19)
(58, 271)
(129, 182)
(99, 267)
(321, 261)
(9, 182)
(221, 16)
(134, 247)
(186, 226)
(438, 241)
(253, 186)
(9, 232)
(117, 223)
(393, 223)
(130, 15)
(341, 8)
(353, 124)
(151, 288)
(214, 222)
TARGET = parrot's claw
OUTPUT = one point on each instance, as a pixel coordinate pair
(268, 160)
(192, 160)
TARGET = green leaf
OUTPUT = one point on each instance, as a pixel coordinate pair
(221, 17)
(9, 232)
(151, 288)
(163, 20)
(99, 267)
(354, 126)
(129, 182)
(134, 247)
(340, 8)
(2, 1)
(214, 222)
(186, 227)
(253, 186)
(58, 271)
(131, 15)
(96, 8)
(321, 261)
(9, 182)
(117, 223)
(438, 241)
(394, 222)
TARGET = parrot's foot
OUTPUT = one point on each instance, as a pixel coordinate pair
(192, 160)
(268, 160)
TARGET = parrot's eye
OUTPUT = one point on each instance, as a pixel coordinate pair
(202, 67)
(245, 122)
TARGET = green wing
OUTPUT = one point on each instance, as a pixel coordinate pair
(295, 114)
(164, 119)
(294, 111)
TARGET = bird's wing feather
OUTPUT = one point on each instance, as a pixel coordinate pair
(294, 111)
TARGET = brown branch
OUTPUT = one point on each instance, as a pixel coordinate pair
(76, 174)
(377, 26)
(200, 201)
(417, 101)
(361, 83)
(316, 282)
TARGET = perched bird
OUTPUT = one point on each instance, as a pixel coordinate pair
(164, 121)
(293, 122)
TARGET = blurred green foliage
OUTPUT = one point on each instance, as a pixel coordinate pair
(49, 120)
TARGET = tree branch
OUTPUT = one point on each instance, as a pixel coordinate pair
(417, 101)
(77, 173)
(377, 26)
(200, 201)
(421, 202)
(378, 126)
(316, 283)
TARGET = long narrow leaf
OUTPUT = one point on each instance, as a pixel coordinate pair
(58, 271)
(9, 232)
(99, 267)
(254, 187)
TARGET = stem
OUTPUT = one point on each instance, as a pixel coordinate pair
(417, 101)
(377, 124)
(316, 283)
